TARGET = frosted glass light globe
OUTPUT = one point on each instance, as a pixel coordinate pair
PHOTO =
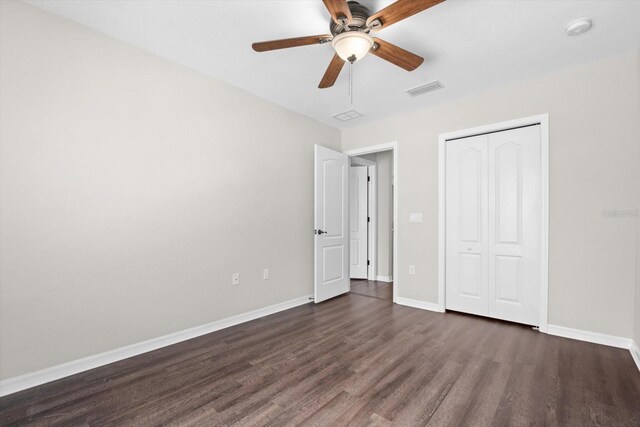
(352, 45)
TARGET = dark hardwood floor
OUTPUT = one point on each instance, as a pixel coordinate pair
(354, 360)
(370, 288)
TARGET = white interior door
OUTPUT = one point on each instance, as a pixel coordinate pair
(493, 212)
(331, 206)
(514, 225)
(466, 225)
(358, 222)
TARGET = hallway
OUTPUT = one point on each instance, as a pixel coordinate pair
(372, 288)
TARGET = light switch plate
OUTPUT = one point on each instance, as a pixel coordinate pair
(415, 217)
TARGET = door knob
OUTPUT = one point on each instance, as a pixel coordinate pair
(321, 232)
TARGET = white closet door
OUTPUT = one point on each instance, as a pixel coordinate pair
(466, 225)
(514, 225)
(493, 223)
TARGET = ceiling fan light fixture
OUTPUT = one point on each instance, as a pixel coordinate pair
(352, 45)
(349, 26)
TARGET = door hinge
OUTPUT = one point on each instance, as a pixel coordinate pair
(368, 219)
(368, 178)
(368, 262)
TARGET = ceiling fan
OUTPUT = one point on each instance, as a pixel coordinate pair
(351, 27)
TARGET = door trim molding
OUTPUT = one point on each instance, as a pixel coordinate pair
(372, 229)
(543, 121)
(393, 146)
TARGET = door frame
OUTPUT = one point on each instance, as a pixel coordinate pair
(372, 213)
(393, 147)
(543, 121)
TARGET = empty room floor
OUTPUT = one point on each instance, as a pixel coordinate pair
(353, 360)
(372, 288)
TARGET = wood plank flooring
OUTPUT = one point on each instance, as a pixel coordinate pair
(380, 290)
(353, 360)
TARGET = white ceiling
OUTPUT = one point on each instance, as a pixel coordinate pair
(469, 45)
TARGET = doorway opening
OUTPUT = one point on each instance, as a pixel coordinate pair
(371, 224)
(332, 235)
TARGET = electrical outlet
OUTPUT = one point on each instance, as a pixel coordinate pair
(412, 270)
(265, 274)
(235, 279)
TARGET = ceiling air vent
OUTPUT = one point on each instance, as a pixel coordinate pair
(347, 115)
(428, 87)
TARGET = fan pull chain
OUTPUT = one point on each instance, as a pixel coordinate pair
(351, 82)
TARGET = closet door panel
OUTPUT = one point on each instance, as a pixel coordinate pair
(514, 225)
(466, 223)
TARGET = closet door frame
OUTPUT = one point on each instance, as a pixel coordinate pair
(543, 121)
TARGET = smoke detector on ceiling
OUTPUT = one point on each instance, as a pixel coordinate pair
(427, 87)
(578, 26)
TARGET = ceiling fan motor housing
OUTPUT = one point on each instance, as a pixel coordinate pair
(359, 13)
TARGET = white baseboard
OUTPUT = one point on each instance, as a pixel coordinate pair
(424, 305)
(635, 353)
(588, 336)
(387, 279)
(32, 379)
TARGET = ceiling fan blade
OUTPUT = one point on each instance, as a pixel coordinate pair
(400, 10)
(332, 73)
(338, 9)
(396, 55)
(285, 43)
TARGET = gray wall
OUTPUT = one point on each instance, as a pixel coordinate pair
(132, 189)
(636, 328)
(384, 163)
(593, 166)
